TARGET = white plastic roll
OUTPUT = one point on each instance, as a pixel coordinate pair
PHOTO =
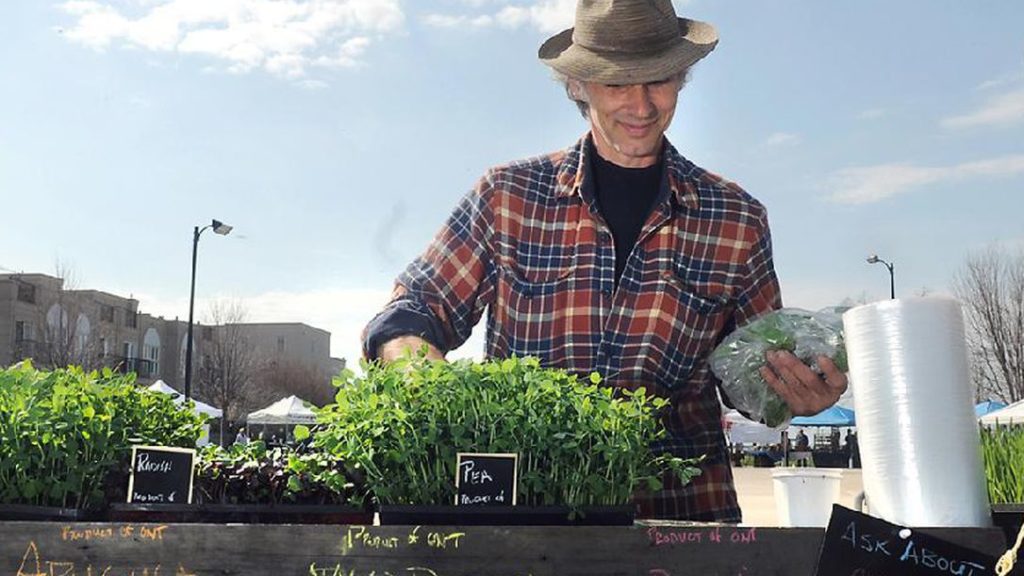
(919, 442)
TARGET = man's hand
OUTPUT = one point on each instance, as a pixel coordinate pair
(803, 390)
(405, 345)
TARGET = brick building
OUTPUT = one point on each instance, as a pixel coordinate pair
(54, 326)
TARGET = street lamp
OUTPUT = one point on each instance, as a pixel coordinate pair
(874, 259)
(218, 228)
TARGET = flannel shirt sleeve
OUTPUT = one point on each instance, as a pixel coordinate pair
(443, 293)
(760, 292)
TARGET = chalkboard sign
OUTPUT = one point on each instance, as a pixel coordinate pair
(161, 475)
(859, 545)
(486, 479)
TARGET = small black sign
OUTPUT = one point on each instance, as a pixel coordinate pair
(161, 475)
(486, 479)
(860, 545)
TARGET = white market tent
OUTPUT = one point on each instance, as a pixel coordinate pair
(200, 407)
(290, 410)
(739, 430)
(1012, 414)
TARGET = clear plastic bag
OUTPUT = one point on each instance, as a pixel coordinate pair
(738, 359)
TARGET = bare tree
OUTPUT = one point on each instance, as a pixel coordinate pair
(990, 286)
(228, 364)
(67, 333)
(302, 380)
(851, 302)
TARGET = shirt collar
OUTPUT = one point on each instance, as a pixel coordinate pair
(681, 173)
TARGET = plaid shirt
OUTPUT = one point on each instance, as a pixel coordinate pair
(529, 246)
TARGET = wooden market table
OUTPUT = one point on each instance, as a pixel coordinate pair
(660, 549)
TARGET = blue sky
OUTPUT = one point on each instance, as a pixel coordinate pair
(336, 135)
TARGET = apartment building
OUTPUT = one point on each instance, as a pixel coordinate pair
(293, 357)
(42, 320)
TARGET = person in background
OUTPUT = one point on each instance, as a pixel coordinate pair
(802, 443)
(617, 255)
(241, 437)
(852, 449)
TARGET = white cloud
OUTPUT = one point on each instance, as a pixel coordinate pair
(1004, 80)
(347, 55)
(866, 184)
(1001, 110)
(548, 16)
(342, 312)
(478, 3)
(283, 37)
(782, 139)
(461, 21)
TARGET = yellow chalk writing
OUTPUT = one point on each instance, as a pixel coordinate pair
(152, 533)
(442, 541)
(35, 564)
(71, 534)
(360, 536)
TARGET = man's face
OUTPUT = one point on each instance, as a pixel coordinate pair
(629, 120)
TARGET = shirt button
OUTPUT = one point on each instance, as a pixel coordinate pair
(607, 291)
(605, 237)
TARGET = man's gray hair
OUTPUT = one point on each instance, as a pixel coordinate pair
(583, 106)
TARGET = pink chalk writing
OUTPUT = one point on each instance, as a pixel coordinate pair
(661, 536)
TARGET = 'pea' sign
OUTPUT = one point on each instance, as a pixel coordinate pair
(161, 475)
(486, 479)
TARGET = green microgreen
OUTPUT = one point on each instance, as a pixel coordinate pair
(579, 442)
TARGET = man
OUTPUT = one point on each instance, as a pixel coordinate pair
(802, 443)
(617, 255)
(852, 449)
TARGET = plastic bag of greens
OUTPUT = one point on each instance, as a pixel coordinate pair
(738, 359)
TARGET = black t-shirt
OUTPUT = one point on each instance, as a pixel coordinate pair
(625, 197)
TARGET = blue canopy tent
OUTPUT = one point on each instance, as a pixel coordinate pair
(987, 406)
(836, 416)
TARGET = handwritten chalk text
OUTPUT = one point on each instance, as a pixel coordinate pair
(33, 563)
(912, 552)
(366, 538)
(127, 531)
(342, 570)
(660, 536)
(921, 556)
(143, 464)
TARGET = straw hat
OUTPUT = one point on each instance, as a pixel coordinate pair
(627, 42)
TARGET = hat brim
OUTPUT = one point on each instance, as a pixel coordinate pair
(697, 40)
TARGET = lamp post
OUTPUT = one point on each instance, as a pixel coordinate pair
(874, 259)
(218, 228)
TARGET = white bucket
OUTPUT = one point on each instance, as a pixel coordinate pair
(804, 496)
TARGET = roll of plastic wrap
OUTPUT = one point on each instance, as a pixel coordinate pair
(919, 443)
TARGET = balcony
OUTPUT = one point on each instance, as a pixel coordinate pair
(28, 349)
(141, 367)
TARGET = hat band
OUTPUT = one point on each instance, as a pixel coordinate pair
(646, 47)
(612, 52)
